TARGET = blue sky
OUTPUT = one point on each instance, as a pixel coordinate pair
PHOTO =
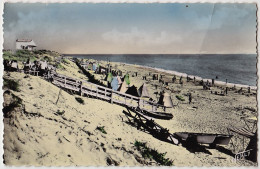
(133, 28)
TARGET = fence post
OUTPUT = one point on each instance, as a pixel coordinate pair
(105, 92)
(96, 91)
(111, 99)
(64, 81)
(81, 93)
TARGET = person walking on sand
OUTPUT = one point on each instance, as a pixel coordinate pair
(190, 98)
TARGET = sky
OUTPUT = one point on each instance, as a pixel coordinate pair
(133, 28)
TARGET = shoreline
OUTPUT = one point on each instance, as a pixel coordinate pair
(179, 74)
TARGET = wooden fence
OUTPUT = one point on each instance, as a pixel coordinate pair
(104, 93)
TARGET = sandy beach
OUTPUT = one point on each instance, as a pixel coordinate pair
(36, 134)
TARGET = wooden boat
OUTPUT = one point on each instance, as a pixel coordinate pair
(204, 138)
(158, 115)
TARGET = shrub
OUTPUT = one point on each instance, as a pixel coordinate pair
(180, 98)
(60, 66)
(60, 112)
(102, 129)
(152, 154)
(80, 100)
(11, 84)
(17, 102)
(48, 59)
(66, 61)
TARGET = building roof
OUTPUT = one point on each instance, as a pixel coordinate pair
(27, 42)
(23, 40)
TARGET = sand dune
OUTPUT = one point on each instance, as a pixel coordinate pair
(36, 134)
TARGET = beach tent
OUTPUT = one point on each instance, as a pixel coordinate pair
(119, 81)
(101, 69)
(132, 91)
(114, 83)
(109, 77)
(126, 79)
(123, 87)
(43, 65)
(143, 91)
(95, 66)
(165, 99)
(90, 66)
(14, 64)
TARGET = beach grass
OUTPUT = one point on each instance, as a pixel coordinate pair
(80, 100)
(11, 84)
(152, 154)
(60, 66)
(24, 55)
(179, 97)
(60, 112)
(16, 102)
(102, 129)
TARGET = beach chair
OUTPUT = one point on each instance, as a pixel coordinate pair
(247, 131)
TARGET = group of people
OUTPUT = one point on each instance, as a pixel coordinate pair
(41, 66)
(11, 65)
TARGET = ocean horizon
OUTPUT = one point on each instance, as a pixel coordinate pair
(238, 69)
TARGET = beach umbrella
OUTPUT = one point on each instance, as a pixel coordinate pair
(143, 91)
(126, 79)
(109, 77)
(132, 91)
(114, 84)
(165, 99)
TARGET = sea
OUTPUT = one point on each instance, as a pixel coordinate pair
(233, 68)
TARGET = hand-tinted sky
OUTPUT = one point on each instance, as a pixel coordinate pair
(133, 28)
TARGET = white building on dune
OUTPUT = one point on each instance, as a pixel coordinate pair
(25, 44)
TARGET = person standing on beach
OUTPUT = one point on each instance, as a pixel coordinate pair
(226, 90)
(181, 80)
(190, 98)
(174, 78)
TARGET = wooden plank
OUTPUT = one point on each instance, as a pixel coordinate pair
(94, 94)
